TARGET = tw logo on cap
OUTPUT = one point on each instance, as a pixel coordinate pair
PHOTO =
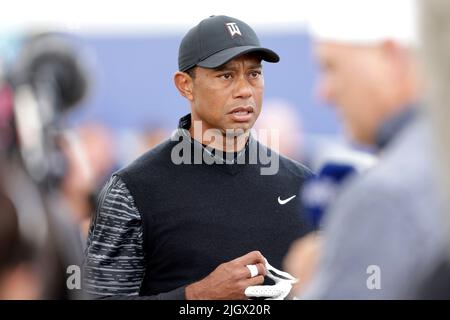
(233, 29)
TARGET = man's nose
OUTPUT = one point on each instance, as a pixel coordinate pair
(243, 88)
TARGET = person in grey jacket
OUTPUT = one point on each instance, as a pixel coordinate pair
(383, 233)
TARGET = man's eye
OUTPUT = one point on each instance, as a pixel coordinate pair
(226, 76)
(255, 74)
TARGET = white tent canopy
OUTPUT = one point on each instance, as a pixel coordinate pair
(89, 16)
(356, 20)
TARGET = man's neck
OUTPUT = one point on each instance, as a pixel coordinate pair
(216, 139)
(391, 126)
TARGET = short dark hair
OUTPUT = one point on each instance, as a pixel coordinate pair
(191, 72)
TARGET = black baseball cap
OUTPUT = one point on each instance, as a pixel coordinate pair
(217, 40)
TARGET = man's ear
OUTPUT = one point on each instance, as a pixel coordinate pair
(184, 84)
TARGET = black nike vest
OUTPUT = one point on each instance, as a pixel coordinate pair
(197, 216)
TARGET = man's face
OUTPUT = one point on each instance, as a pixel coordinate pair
(355, 79)
(229, 97)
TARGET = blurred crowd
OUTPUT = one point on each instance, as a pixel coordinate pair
(51, 172)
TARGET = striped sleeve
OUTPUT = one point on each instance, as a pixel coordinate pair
(114, 258)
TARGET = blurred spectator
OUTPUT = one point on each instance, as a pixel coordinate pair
(18, 277)
(281, 116)
(38, 241)
(152, 137)
(89, 150)
(386, 220)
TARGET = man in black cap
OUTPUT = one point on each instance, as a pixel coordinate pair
(196, 217)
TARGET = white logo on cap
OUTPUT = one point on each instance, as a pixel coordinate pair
(233, 29)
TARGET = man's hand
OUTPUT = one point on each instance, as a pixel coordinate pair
(229, 280)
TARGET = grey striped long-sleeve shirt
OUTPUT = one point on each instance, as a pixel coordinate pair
(114, 264)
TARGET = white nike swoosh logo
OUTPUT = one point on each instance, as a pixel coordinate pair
(285, 201)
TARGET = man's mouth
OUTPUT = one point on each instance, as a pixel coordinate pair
(241, 114)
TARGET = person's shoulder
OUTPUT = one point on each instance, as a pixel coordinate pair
(406, 164)
(402, 181)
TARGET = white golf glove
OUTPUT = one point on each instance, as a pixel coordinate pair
(278, 291)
